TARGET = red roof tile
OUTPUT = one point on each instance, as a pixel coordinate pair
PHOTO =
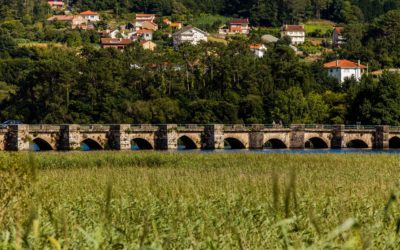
(143, 31)
(344, 64)
(60, 18)
(293, 28)
(115, 41)
(88, 12)
(239, 21)
(256, 46)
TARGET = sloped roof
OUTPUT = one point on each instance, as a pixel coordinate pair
(88, 12)
(256, 46)
(115, 41)
(187, 28)
(239, 21)
(293, 28)
(142, 31)
(60, 18)
(344, 64)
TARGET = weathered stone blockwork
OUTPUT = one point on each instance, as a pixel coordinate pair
(213, 136)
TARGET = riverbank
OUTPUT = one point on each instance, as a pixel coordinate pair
(170, 200)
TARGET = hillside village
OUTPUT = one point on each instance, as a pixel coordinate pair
(142, 29)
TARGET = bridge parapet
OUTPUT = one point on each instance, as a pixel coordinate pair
(237, 127)
(93, 128)
(143, 128)
(190, 127)
(44, 128)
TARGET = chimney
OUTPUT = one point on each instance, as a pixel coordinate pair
(359, 62)
(337, 63)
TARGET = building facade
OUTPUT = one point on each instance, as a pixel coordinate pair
(345, 69)
(190, 35)
(296, 33)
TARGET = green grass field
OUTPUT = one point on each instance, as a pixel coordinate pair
(112, 200)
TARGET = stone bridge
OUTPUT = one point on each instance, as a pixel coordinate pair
(215, 136)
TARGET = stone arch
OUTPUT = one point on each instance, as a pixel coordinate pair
(394, 142)
(357, 143)
(275, 144)
(316, 143)
(186, 143)
(90, 144)
(233, 143)
(141, 144)
(39, 144)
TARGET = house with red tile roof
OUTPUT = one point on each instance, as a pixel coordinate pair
(90, 16)
(337, 36)
(258, 49)
(296, 33)
(239, 26)
(345, 69)
(118, 43)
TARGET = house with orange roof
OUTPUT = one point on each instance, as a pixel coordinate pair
(176, 25)
(90, 16)
(345, 69)
(296, 33)
(167, 21)
(337, 37)
(258, 49)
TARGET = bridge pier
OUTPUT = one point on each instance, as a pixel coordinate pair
(119, 137)
(337, 141)
(167, 137)
(297, 136)
(381, 137)
(70, 137)
(18, 137)
(256, 137)
(213, 137)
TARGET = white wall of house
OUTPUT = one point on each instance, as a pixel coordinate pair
(191, 36)
(92, 18)
(297, 37)
(341, 74)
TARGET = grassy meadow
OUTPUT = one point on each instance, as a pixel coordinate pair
(131, 200)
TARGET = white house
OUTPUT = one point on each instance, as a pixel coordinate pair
(345, 69)
(190, 35)
(337, 37)
(90, 16)
(145, 34)
(258, 49)
(296, 33)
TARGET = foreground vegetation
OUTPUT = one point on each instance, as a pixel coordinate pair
(218, 201)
